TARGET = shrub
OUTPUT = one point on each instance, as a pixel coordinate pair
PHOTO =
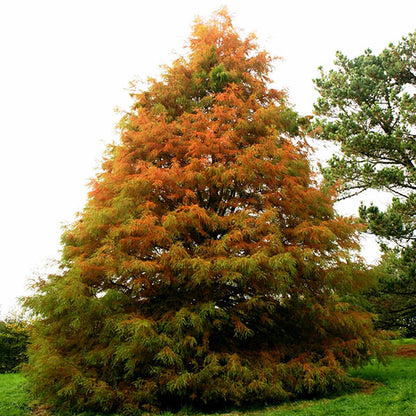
(13, 343)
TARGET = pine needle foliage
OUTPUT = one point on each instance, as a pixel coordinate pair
(207, 267)
(367, 105)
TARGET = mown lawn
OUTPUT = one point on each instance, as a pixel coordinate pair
(391, 391)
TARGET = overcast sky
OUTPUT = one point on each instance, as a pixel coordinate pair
(65, 65)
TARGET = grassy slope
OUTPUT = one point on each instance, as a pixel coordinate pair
(394, 395)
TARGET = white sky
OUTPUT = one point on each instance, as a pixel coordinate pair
(65, 65)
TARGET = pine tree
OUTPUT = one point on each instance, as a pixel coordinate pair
(207, 267)
(367, 105)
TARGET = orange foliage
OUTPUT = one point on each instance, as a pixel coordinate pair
(207, 267)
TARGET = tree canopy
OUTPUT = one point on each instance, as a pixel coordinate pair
(368, 105)
(207, 268)
(13, 343)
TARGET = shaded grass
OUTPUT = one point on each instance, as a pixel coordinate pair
(389, 390)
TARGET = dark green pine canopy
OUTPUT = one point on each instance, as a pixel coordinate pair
(368, 105)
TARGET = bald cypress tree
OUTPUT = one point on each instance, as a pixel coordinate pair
(207, 267)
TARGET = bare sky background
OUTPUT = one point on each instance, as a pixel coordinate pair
(65, 65)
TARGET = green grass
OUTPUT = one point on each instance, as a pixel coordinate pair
(13, 396)
(393, 394)
(403, 341)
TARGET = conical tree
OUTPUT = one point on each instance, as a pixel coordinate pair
(207, 267)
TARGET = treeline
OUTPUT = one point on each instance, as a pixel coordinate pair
(14, 337)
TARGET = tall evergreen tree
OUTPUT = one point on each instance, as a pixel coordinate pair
(207, 268)
(367, 104)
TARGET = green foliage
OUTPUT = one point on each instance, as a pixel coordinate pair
(219, 78)
(13, 343)
(393, 300)
(207, 269)
(368, 105)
